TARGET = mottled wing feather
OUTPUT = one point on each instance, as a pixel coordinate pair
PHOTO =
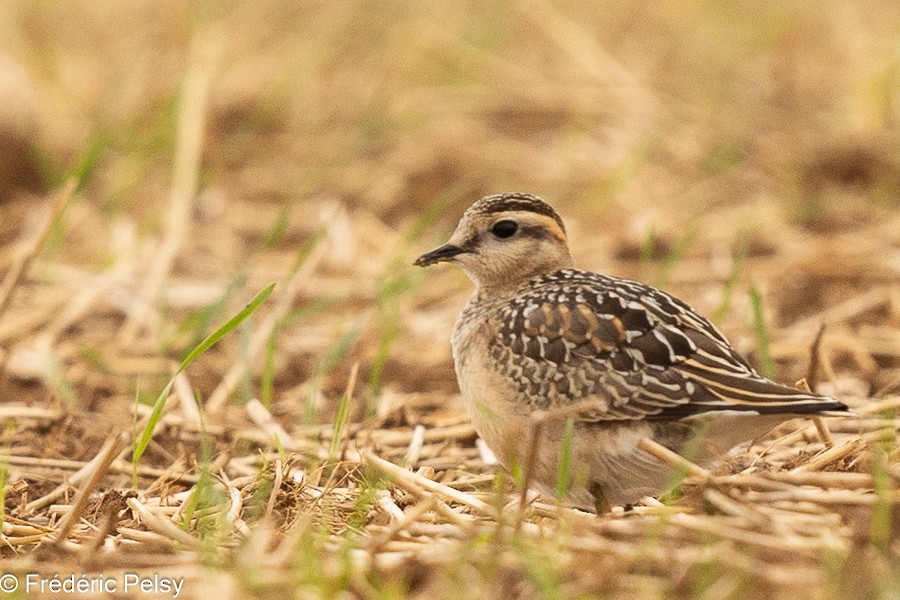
(623, 350)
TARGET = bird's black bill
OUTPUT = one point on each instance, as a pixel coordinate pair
(445, 252)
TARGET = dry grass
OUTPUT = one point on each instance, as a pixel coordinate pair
(161, 162)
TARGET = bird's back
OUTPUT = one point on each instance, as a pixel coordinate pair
(626, 351)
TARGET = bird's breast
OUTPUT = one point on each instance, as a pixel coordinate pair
(492, 404)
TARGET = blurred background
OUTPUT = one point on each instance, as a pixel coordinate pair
(721, 150)
(163, 161)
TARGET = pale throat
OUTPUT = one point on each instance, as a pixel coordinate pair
(506, 281)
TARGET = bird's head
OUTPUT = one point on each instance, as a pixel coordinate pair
(504, 239)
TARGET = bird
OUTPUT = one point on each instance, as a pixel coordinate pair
(599, 361)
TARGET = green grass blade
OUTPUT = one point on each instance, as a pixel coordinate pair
(343, 346)
(148, 430)
(645, 255)
(737, 265)
(340, 423)
(882, 512)
(766, 365)
(134, 433)
(276, 231)
(329, 362)
(214, 337)
(198, 323)
(279, 448)
(306, 250)
(89, 160)
(222, 331)
(675, 255)
(381, 356)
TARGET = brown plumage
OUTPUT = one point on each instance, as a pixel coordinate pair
(622, 359)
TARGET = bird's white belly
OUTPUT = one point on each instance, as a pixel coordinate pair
(499, 419)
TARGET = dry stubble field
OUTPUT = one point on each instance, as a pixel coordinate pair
(163, 162)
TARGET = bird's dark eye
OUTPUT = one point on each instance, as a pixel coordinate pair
(505, 228)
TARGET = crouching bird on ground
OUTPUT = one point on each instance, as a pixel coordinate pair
(622, 360)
